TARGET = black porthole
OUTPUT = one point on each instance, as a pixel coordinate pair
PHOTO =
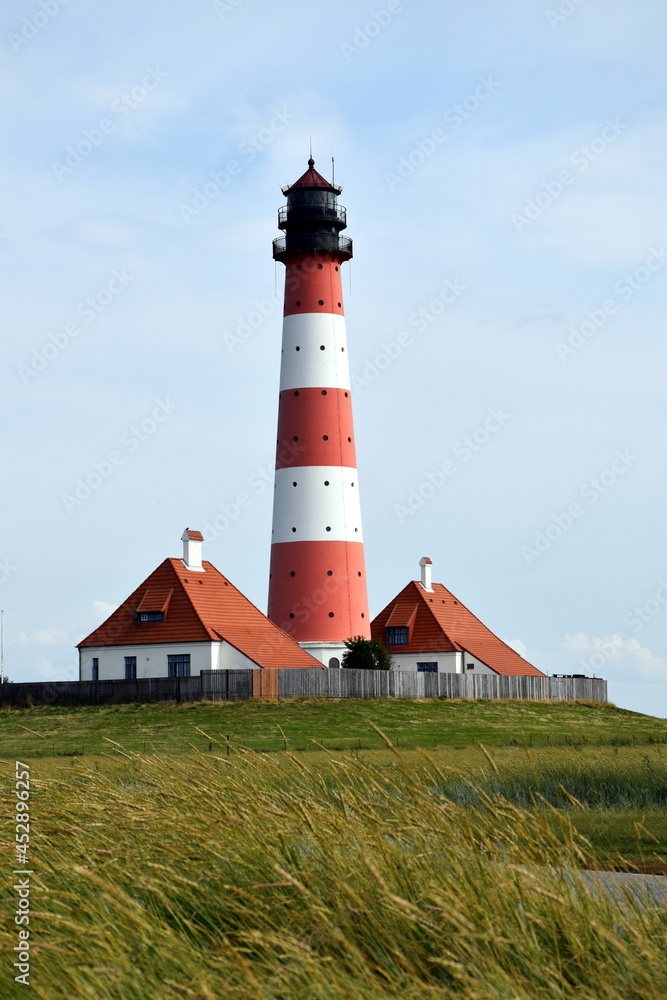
(298, 302)
(296, 392)
(294, 529)
(331, 614)
(319, 267)
(351, 484)
(291, 614)
(320, 302)
(358, 574)
(339, 305)
(346, 394)
(343, 350)
(297, 348)
(325, 437)
(349, 439)
(293, 484)
(326, 482)
(329, 572)
(328, 528)
(324, 392)
(295, 438)
(321, 347)
(336, 266)
(292, 573)
(363, 615)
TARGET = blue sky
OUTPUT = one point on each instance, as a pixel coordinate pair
(512, 153)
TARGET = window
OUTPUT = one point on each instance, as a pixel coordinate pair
(334, 663)
(179, 664)
(397, 636)
(428, 668)
(96, 669)
(470, 666)
(130, 668)
(151, 616)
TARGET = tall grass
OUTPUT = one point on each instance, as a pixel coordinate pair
(628, 779)
(257, 878)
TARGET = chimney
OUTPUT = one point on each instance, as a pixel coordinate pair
(192, 542)
(426, 564)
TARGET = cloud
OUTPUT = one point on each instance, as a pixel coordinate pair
(45, 637)
(518, 647)
(102, 609)
(613, 656)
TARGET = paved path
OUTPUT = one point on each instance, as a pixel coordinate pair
(649, 889)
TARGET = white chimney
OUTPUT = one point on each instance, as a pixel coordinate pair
(426, 564)
(192, 543)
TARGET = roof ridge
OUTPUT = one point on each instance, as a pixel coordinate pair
(173, 563)
(479, 620)
(422, 595)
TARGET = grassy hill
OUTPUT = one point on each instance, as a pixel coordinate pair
(344, 724)
(376, 875)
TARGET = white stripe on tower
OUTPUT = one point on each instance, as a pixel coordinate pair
(317, 588)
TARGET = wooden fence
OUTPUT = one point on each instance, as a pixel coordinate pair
(234, 685)
(213, 685)
(413, 684)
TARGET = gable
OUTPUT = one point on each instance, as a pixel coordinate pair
(443, 624)
(198, 607)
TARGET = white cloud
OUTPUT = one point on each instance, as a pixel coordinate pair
(613, 655)
(518, 647)
(102, 609)
(45, 637)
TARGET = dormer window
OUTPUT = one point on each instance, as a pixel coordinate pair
(151, 616)
(397, 636)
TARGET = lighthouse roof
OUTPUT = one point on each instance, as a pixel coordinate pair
(311, 179)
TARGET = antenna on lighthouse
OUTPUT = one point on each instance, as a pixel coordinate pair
(333, 178)
(2, 647)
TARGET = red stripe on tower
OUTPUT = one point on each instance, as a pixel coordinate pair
(317, 586)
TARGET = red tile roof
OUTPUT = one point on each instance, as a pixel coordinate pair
(195, 536)
(442, 624)
(201, 607)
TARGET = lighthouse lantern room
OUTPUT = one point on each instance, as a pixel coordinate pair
(317, 585)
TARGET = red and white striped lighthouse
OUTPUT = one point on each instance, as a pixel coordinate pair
(317, 586)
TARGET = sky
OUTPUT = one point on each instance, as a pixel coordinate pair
(503, 173)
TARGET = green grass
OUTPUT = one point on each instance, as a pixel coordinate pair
(316, 877)
(266, 725)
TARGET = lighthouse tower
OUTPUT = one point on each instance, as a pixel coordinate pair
(317, 585)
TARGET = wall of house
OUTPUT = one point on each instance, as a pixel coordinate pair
(226, 657)
(152, 659)
(447, 662)
(471, 665)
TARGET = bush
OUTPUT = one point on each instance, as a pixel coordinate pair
(366, 654)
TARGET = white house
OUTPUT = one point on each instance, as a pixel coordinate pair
(426, 628)
(184, 618)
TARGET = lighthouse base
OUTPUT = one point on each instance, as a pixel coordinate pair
(329, 653)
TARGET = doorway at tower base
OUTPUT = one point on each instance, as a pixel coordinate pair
(329, 653)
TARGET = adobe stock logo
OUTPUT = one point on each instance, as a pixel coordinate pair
(463, 450)
(592, 491)
(130, 441)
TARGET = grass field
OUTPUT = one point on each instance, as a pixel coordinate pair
(372, 875)
(295, 724)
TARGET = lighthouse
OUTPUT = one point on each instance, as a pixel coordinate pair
(317, 584)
